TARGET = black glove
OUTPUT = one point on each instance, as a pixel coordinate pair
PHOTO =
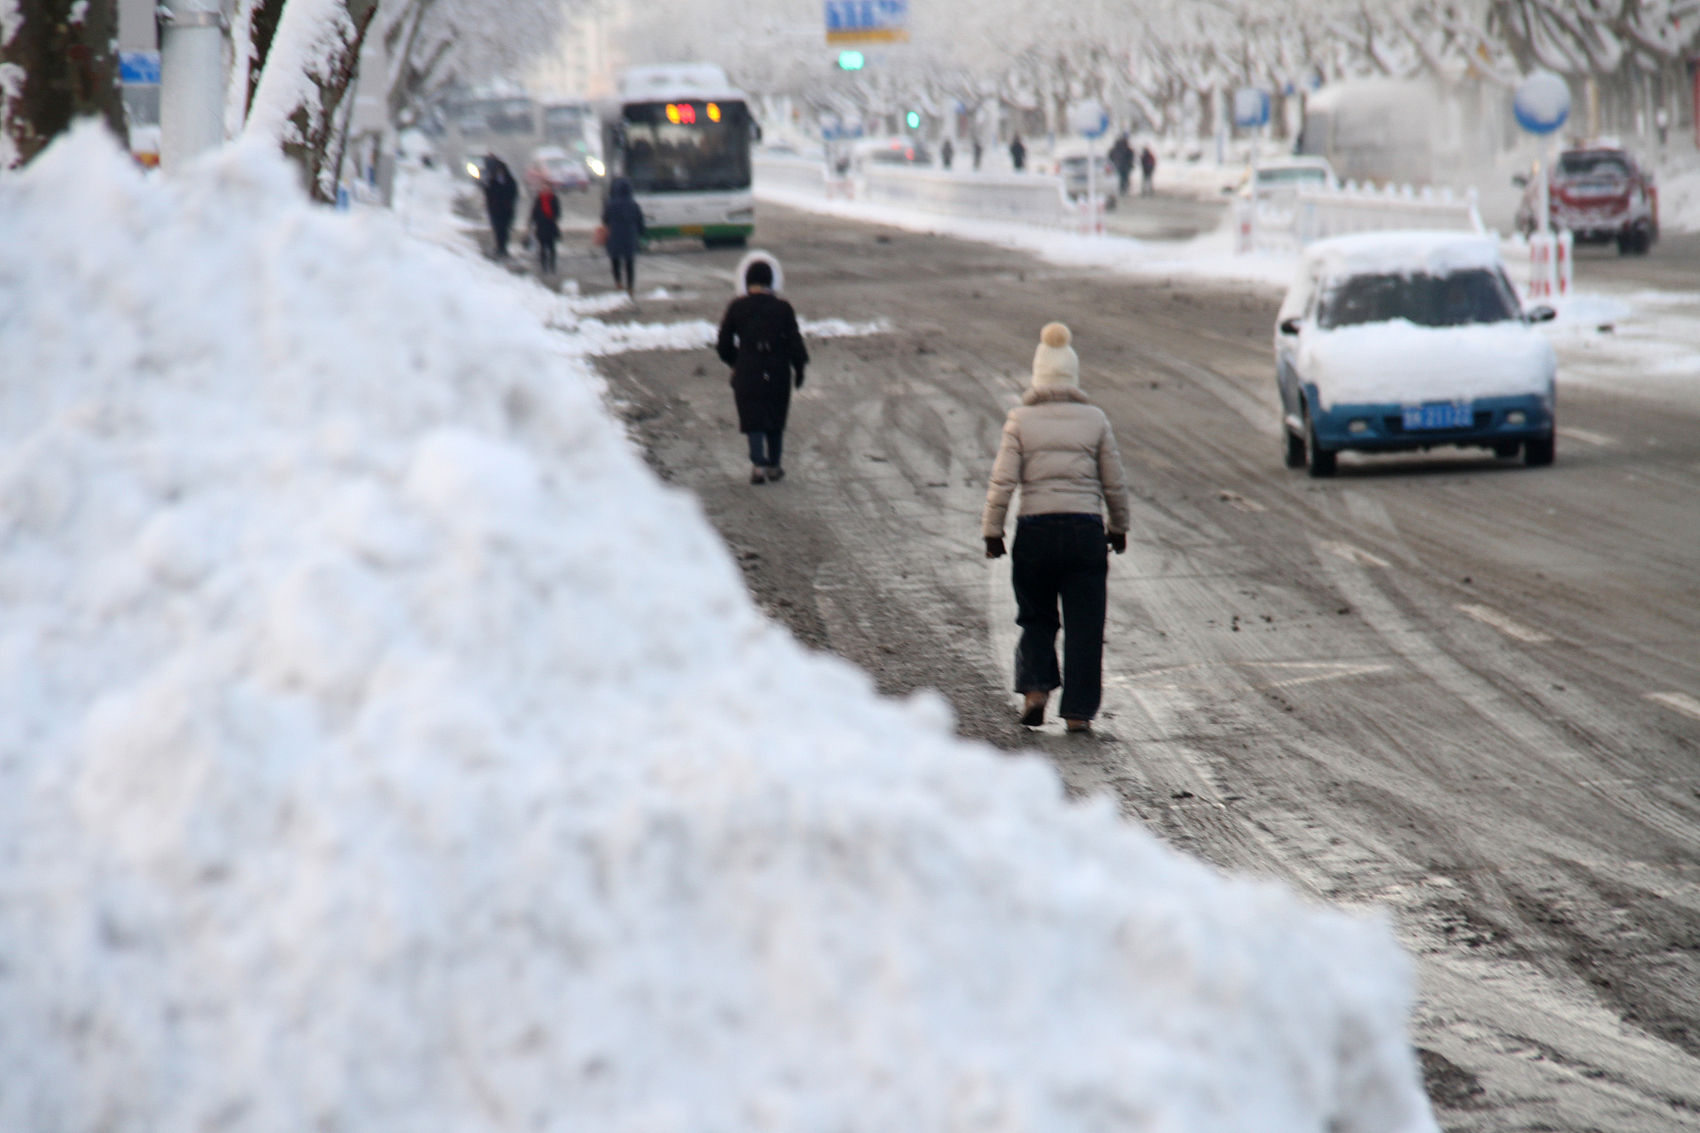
(994, 547)
(799, 383)
(1117, 541)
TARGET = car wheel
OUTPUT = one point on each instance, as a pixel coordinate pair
(1539, 453)
(1319, 461)
(1295, 454)
(1624, 244)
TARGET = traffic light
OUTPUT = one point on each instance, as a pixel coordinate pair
(851, 61)
(914, 120)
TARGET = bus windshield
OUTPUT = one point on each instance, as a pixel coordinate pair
(683, 146)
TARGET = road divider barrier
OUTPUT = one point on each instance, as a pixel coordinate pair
(1284, 226)
(1028, 198)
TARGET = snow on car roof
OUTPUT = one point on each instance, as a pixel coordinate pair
(1401, 252)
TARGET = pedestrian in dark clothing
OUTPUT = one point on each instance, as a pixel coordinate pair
(623, 218)
(1121, 157)
(546, 227)
(946, 152)
(1059, 450)
(1017, 153)
(501, 194)
(1147, 166)
(979, 151)
(760, 340)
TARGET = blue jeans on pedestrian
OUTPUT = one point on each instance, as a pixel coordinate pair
(1061, 560)
(765, 448)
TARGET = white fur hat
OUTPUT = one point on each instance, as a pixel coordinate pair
(754, 256)
(1054, 363)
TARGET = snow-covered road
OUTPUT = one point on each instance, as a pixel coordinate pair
(1452, 685)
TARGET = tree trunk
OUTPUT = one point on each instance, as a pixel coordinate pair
(310, 66)
(54, 70)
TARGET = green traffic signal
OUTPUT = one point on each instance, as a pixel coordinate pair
(850, 61)
(914, 120)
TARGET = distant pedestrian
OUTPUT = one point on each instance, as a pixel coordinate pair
(1059, 450)
(979, 152)
(546, 227)
(1122, 158)
(1017, 153)
(1661, 120)
(501, 194)
(622, 218)
(946, 152)
(760, 340)
(1147, 166)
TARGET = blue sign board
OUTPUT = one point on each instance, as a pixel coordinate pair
(867, 21)
(1541, 102)
(138, 66)
(1251, 107)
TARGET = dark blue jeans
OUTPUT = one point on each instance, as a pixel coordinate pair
(765, 448)
(1061, 560)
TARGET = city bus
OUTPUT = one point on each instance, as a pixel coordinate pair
(682, 136)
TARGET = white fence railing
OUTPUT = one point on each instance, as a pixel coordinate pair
(1284, 226)
(1029, 198)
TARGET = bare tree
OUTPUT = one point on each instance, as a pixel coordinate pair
(58, 63)
(307, 71)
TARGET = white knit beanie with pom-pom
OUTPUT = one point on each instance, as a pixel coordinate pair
(1054, 363)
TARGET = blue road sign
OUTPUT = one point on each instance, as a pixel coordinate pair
(867, 21)
(138, 66)
(1251, 107)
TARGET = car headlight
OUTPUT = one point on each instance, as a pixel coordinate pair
(472, 170)
(596, 166)
(1516, 417)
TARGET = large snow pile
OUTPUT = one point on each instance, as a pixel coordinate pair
(383, 749)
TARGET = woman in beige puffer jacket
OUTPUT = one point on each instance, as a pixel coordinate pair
(1059, 449)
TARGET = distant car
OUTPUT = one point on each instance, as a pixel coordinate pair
(559, 169)
(1282, 179)
(890, 151)
(1601, 194)
(1398, 341)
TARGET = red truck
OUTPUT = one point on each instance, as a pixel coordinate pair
(1600, 193)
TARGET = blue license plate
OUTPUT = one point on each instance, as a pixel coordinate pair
(1450, 415)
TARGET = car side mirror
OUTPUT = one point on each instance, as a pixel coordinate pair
(1542, 314)
(1289, 326)
(1520, 181)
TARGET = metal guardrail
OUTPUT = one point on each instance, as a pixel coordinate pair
(1315, 214)
(1029, 198)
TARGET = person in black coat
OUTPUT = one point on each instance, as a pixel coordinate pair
(546, 226)
(1017, 153)
(501, 193)
(760, 340)
(623, 218)
(1122, 158)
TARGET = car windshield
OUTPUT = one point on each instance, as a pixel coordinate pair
(1459, 298)
(1592, 165)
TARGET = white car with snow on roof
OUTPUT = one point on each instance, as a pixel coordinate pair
(1399, 341)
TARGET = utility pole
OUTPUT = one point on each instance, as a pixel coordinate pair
(191, 79)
